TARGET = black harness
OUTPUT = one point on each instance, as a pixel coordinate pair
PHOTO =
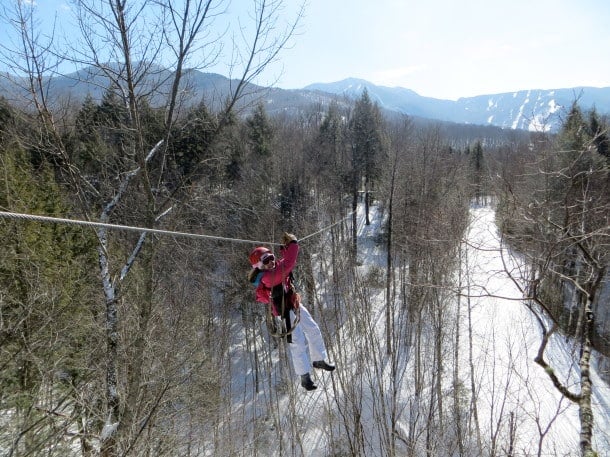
(284, 301)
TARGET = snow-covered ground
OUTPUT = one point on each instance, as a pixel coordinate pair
(514, 397)
(506, 340)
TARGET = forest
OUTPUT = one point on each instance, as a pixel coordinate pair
(149, 343)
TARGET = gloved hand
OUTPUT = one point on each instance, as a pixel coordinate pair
(288, 238)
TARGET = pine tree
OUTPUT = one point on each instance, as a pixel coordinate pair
(192, 142)
(477, 165)
(260, 132)
(599, 132)
(45, 282)
(327, 157)
(368, 146)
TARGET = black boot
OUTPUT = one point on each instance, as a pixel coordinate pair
(307, 382)
(323, 365)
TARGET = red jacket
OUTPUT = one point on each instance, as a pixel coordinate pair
(280, 274)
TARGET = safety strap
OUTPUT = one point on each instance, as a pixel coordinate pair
(284, 302)
(276, 325)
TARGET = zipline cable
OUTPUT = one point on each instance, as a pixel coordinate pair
(59, 220)
(326, 228)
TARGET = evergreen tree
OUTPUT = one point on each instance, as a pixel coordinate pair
(6, 118)
(85, 144)
(574, 132)
(477, 166)
(191, 147)
(599, 132)
(327, 157)
(327, 154)
(46, 339)
(368, 146)
(260, 132)
(113, 117)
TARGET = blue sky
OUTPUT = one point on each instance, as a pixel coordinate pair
(449, 49)
(441, 48)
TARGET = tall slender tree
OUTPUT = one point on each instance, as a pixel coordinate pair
(368, 146)
(477, 166)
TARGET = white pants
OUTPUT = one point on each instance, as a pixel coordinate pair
(307, 343)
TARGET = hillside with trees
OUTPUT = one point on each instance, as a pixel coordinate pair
(123, 342)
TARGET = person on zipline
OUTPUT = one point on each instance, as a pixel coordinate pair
(274, 286)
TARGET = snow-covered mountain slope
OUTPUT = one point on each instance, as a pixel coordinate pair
(533, 110)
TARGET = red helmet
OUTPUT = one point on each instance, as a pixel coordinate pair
(257, 254)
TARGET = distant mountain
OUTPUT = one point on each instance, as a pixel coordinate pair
(534, 109)
(196, 86)
(523, 110)
(398, 99)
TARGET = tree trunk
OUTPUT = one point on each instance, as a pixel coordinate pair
(388, 283)
(135, 364)
(108, 436)
(366, 200)
(355, 224)
(585, 410)
(457, 410)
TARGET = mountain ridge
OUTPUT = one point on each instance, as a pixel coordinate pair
(531, 109)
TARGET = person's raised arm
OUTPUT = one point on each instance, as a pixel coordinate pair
(290, 253)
